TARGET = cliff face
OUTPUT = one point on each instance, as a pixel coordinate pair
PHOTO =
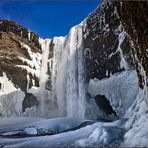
(106, 43)
(102, 38)
(108, 53)
(20, 58)
(134, 16)
(135, 22)
(102, 57)
(14, 55)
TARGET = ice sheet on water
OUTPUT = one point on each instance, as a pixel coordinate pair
(40, 126)
(104, 133)
(86, 135)
(9, 124)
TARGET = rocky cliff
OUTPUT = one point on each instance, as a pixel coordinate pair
(14, 41)
(20, 59)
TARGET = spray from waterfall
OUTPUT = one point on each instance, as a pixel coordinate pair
(43, 73)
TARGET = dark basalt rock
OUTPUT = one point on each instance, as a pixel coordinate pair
(36, 80)
(16, 75)
(101, 41)
(48, 85)
(104, 105)
(51, 47)
(1, 73)
(29, 101)
(135, 22)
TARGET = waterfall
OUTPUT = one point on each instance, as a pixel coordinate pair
(58, 77)
(44, 68)
(75, 74)
(67, 75)
(72, 73)
(81, 75)
(43, 73)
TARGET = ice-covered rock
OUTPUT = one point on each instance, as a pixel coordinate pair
(30, 131)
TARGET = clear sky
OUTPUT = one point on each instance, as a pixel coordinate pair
(48, 18)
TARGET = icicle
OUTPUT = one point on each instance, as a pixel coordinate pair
(28, 80)
(123, 63)
(21, 33)
(29, 35)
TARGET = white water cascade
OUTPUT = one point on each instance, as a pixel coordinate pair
(67, 75)
(43, 73)
(75, 74)
(44, 68)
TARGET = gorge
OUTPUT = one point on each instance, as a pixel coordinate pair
(97, 72)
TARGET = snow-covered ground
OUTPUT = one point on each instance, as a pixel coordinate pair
(137, 125)
(66, 132)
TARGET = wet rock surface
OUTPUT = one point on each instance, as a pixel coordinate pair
(29, 101)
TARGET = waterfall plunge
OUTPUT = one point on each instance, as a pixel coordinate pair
(67, 73)
(75, 74)
(43, 73)
(45, 52)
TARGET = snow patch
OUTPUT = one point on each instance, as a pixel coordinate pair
(137, 127)
(35, 62)
(29, 35)
(120, 89)
(6, 85)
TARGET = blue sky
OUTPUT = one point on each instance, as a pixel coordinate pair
(48, 18)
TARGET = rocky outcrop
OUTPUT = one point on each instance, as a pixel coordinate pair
(108, 50)
(102, 43)
(13, 37)
(18, 60)
(21, 32)
(29, 101)
(104, 105)
(135, 23)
